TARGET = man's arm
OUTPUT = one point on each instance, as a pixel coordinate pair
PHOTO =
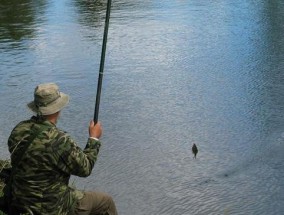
(77, 161)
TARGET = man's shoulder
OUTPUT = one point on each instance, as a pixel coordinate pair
(21, 129)
(44, 130)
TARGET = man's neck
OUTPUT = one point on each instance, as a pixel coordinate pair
(53, 118)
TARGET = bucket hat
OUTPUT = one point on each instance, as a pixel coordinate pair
(47, 99)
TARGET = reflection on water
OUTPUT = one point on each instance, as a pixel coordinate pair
(176, 72)
(91, 13)
(19, 19)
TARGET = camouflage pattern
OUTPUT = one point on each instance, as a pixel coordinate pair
(42, 177)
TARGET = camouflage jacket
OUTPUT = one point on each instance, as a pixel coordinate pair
(42, 176)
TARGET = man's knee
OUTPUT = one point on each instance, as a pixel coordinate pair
(104, 197)
(108, 203)
(110, 199)
(101, 202)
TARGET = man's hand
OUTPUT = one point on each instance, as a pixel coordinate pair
(95, 130)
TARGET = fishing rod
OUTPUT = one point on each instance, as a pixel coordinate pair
(100, 78)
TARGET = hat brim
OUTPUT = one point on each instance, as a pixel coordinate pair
(52, 108)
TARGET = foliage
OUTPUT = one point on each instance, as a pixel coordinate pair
(3, 164)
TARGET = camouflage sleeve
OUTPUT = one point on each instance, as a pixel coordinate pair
(75, 160)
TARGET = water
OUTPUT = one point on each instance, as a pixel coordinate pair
(176, 72)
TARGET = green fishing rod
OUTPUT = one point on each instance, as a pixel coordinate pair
(100, 77)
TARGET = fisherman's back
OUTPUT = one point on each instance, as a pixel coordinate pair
(41, 179)
(42, 174)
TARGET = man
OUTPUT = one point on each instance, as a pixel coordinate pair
(41, 178)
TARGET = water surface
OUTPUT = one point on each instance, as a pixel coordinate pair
(176, 73)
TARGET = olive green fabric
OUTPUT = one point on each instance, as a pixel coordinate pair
(42, 177)
(96, 203)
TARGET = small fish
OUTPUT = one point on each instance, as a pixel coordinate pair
(194, 150)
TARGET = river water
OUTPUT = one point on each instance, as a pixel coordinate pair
(177, 72)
